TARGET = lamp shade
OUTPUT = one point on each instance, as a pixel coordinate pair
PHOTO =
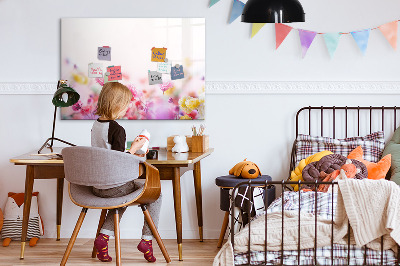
(273, 11)
(58, 99)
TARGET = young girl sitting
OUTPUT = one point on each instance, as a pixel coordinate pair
(114, 100)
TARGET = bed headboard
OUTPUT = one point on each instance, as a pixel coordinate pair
(344, 121)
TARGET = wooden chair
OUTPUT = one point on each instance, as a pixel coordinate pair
(85, 167)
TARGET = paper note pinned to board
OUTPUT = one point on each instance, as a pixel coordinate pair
(104, 53)
(164, 67)
(95, 70)
(155, 77)
(158, 54)
(177, 72)
(115, 73)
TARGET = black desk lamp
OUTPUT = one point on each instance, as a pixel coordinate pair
(58, 101)
(273, 11)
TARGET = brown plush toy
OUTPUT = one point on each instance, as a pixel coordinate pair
(246, 169)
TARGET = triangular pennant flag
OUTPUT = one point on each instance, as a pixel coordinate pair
(237, 9)
(306, 39)
(361, 37)
(281, 31)
(256, 27)
(390, 32)
(213, 2)
(332, 41)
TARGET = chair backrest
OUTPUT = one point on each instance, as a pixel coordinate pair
(92, 166)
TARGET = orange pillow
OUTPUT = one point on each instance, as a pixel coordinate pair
(375, 170)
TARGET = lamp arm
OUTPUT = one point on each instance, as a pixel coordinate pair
(54, 127)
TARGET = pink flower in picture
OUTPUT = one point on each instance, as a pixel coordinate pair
(166, 86)
(77, 106)
(193, 114)
(86, 110)
(100, 81)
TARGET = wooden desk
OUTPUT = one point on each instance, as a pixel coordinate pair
(171, 167)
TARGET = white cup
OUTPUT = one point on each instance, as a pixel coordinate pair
(144, 134)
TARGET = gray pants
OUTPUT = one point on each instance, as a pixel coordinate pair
(154, 208)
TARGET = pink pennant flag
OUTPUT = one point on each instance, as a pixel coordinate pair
(389, 30)
(281, 31)
(306, 39)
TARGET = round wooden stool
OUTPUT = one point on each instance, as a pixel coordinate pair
(226, 183)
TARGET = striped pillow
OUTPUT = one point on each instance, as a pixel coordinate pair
(372, 145)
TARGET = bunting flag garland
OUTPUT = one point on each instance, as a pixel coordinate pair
(332, 41)
(213, 2)
(237, 9)
(281, 31)
(306, 39)
(256, 27)
(361, 37)
(389, 30)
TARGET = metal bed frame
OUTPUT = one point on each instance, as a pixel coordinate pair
(284, 183)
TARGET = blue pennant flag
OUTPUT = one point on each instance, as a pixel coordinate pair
(213, 2)
(237, 9)
(361, 37)
(332, 41)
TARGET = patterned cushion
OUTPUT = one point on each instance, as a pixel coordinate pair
(372, 144)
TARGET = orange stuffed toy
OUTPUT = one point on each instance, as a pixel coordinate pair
(375, 170)
(245, 169)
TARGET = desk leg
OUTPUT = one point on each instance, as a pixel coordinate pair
(60, 190)
(27, 206)
(176, 182)
(199, 204)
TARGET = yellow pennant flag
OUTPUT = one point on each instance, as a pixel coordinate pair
(256, 28)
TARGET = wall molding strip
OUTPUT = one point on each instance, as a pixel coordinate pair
(251, 87)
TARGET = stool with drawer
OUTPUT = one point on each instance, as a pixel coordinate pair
(226, 183)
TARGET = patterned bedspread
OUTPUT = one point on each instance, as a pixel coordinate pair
(306, 202)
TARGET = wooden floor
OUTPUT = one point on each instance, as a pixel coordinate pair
(50, 252)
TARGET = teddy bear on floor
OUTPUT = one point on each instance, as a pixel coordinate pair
(13, 215)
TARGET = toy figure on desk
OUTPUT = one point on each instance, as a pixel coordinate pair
(13, 213)
(113, 103)
(180, 144)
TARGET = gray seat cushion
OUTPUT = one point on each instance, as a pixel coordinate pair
(83, 196)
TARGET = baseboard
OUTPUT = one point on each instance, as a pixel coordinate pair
(247, 87)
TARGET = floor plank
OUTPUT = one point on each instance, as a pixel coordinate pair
(50, 252)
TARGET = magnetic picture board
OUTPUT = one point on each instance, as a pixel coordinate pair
(161, 61)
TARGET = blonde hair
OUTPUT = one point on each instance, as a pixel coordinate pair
(113, 98)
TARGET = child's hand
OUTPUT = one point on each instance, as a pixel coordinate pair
(137, 144)
(143, 155)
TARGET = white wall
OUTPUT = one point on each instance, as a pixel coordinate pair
(259, 127)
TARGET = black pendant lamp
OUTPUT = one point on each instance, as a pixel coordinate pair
(273, 11)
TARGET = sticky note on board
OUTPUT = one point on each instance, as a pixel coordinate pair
(115, 73)
(164, 67)
(155, 77)
(104, 53)
(95, 70)
(158, 54)
(177, 72)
